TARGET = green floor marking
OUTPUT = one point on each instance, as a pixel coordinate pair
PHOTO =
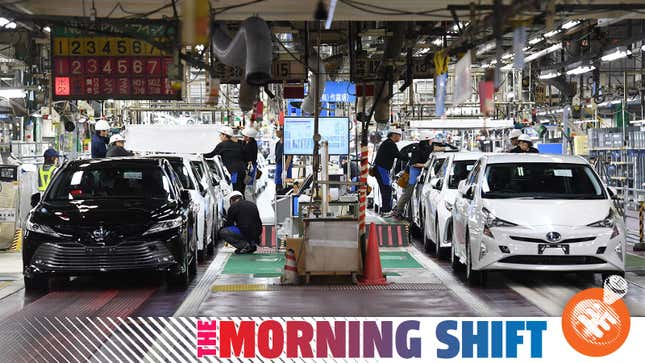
(634, 261)
(265, 265)
(398, 259)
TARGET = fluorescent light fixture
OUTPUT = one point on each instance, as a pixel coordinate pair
(536, 40)
(643, 48)
(485, 48)
(510, 95)
(543, 52)
(12, 93)
(549, 74)
(616, 53)
(330, 14)
(507, 67)
(47, 29)
(438, 42)
(570, 24)
(507, 55)
(579, 68)
(552, 33)
(525, 49)
(5, 23)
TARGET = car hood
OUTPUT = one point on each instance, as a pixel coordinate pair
(549, 212)
(126, 217)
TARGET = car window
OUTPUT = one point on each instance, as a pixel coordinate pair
(199, 175)
(182, 172)
(541, 181)
(474, 173)
(111, 181)
(437, 166)
(459, 171)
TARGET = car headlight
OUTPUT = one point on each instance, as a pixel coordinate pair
(164, 226)
(607, 222)
(43, 229)
(494, 222)
(448, 205)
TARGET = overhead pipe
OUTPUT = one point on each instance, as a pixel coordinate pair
(391, 53)
(251, 48)
(247, 97)
(317, 66)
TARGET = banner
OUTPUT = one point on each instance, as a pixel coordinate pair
(463, 81)
(441, 94)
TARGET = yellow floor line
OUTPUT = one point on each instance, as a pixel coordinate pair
(239, 287)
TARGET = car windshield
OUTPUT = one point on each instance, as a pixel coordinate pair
(459, 172)
(541, 181)
(182, 172)
(103, 181)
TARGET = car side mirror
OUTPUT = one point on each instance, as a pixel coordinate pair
(184, 195)
(35, 199)
(436, 183)
(613, 192)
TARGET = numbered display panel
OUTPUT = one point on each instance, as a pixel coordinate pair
(97, 66)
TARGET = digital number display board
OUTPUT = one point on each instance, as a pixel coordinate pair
(95, 66)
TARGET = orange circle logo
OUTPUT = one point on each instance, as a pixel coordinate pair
(596, 322)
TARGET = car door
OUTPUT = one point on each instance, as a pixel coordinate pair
(434, 196)
(461, 211)
(475, 219)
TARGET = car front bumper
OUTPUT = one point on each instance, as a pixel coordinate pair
(579, 249)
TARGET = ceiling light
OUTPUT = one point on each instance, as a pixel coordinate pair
(551, 33)
(570, 24)
(330, 14)
(47, 29)
(536, 40)
(579, 68)
(616, 53)
(643, 48)
(12, 93)
(507, 55)
(438, 42)
(549, 74)
(543, 52)
(485, 48)
(507, 67)
(5, 23)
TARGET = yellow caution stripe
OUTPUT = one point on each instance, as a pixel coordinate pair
(16, 245)
(240, 287)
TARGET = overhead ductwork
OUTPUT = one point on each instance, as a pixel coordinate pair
(251, 48)
(567, 89)
(317, 66)
(247, 97)
(391, 53)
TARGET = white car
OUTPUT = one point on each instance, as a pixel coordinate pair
(535, 212)
(416, 213)
(201, 196)
(222, 183)
(439, 197)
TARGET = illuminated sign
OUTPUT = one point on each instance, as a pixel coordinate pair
(89, 65)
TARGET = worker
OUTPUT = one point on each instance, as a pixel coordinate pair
(383, 162)
(117, 147)
(354, 171)
(279, 167)
(250, 150)
(420, 156)
(524, 145)
(100, 139)
(515, 133)
(232, 156)
(48, 168)
(243, 226)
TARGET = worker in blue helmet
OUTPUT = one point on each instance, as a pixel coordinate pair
(48, 168)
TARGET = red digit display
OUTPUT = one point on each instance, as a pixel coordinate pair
(108, 86)
(107, 66)
(92, 86)
(153, 66)
(77, 66)
(155, 86)
(61, 66)
(139, 86)
(122, 66)
(123, 86)
(92, 66)
(138, 66)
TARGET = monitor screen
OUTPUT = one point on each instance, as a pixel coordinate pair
(299, 131)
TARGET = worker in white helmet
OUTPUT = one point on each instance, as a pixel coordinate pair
(232, 156)
(385, 155)
(243, 226)
(100, 139)
(250, 150)
(524, 145)
(513, 136)
(117, 147)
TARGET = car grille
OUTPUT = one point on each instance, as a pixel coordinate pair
(537, 240)
(75, 257)
(113, 234)
(552, 260)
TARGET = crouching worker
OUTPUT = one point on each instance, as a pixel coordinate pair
(243, 226)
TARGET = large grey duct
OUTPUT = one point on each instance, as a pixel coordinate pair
(567, 89)
(317, 66)
(247, 97)
(391, 53)
(251, 48)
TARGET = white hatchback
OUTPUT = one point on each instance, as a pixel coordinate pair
(535, 212)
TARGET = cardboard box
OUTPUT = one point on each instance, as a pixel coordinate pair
(296, 244)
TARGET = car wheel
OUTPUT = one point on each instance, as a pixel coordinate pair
(426, 241)
(439, 252)
(192, 268)
(473, 277)
(211, 246)
(454, 261)
(36, 283)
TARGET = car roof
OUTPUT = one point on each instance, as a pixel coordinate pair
(500, 158)
(125, 161)
(466, 155)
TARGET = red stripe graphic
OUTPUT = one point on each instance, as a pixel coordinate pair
(262, 243)
(290, 268)
(273, 242)
(389, 234)
(400, 233)
(380, 235)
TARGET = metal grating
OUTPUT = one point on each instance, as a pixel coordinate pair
(390, 287)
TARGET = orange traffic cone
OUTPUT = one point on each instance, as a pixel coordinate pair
(290, 273)
(372, 271)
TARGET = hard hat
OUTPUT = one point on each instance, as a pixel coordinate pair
(426, 135)
(396, 131)
(515, 133)
(525, 138)
(102, 125)
(50, 153)
(115, 138)
(226, 130)
(234, 194)
(250, 132)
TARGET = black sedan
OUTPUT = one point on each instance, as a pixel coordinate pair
(111, 215)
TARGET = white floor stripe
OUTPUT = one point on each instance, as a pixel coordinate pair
(451, 282)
